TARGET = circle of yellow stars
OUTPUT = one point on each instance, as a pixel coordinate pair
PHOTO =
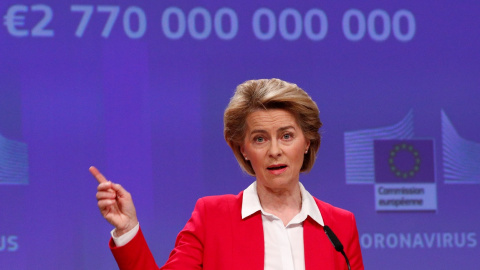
(391, 161)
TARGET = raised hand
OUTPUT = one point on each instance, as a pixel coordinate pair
(115, 204)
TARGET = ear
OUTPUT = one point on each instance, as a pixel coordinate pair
(307, 145)
(242, 150)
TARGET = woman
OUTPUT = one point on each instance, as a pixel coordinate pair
(272, 127)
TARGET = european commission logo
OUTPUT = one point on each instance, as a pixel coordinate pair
(13, 162)
(404, 175)
(402, 168)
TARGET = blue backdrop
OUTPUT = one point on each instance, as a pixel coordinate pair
(138, 89)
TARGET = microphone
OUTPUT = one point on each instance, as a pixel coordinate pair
(336, 243)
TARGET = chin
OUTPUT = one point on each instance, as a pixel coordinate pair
(283, 180)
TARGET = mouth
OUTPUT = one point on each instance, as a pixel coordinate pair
(277, 168)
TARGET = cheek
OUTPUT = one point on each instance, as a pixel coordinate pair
(300, 154)
(255, 157)
(300, 158)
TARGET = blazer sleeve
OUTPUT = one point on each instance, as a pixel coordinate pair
(189, 247)
(134, 255)
(353, 250)
(187, 253)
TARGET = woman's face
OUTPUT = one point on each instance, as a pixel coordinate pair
(275, 146)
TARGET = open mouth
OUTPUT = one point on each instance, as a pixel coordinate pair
(276, 167)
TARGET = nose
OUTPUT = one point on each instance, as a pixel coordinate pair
(275, 150)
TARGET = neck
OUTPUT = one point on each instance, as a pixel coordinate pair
(283, 203)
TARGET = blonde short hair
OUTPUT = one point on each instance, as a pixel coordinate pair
(267, 94)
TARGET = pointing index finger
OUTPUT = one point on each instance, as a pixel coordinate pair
(96, 173)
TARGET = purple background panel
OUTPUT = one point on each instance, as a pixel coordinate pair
(148, 112)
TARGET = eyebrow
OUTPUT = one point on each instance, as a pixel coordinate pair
(264, 131)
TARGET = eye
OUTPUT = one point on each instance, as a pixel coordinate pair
(287, 136)
(259, 139)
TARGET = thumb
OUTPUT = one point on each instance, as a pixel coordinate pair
(121, 192)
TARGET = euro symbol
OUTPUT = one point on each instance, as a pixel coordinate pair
(12, 21)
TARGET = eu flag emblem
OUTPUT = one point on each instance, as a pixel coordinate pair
(404, 161)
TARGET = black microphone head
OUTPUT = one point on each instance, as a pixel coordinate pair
(333, 238)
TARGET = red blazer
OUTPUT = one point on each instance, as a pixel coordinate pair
(216, 237)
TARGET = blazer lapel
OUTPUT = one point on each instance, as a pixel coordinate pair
(319, 251)
(250, 247)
